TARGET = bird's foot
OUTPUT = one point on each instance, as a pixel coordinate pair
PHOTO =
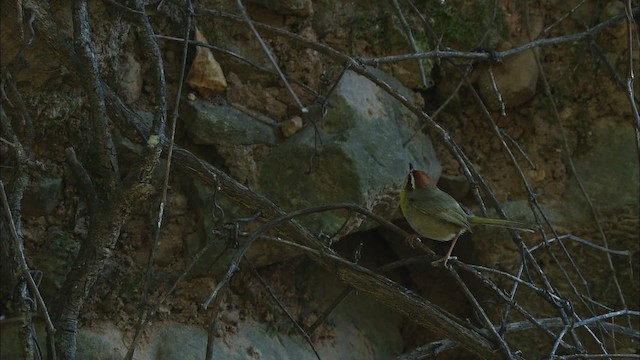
(412, 240)
(443, 261)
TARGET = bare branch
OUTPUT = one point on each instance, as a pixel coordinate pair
(281, 305)
(115, 201)
(412, 40)
(381, 288)
(102, 150)
(241, 58)
(294, 96)
(437, 347)
(500, 55)
(631, 15)
(572, 167)
(22, 263)
(484, 318)
(158, 127)
(83, 177)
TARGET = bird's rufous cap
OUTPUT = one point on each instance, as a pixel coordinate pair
(417, 179)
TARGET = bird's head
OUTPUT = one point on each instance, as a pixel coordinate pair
(417, 179)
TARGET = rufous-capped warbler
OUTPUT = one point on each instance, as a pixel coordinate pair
(433, 213)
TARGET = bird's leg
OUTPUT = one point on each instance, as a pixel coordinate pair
(412, 240)
(448, 256)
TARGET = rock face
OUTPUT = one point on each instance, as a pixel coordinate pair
(355, 155)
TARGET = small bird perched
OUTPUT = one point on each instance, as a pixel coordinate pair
(433, 213)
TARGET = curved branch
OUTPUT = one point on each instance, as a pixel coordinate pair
(499, 55)
(102, 150)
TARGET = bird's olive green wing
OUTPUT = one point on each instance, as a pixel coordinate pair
(438, 204)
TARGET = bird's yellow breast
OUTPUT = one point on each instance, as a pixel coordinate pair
(425, 224)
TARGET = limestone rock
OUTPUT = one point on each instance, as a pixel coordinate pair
(516, 80)
(130, 78)
(211, 124)
(239, 139)
(291, 126)
(205, 74)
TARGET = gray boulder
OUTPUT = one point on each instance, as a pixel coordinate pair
(357, 155)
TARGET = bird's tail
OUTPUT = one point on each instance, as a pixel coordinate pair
(502, 223)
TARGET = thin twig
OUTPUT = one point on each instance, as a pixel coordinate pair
(562, 18)
(500, 55)
(517, 279)
(494, 87)
(329, 309)
(412, 41)
(483, 317)
(233, 265)
(509, 300)
(245, 60)
(22, 263)
(148, 315)
(212, 327)
(83, 178)
(632, 24)
(243, 11)
(519, 242)
(519, 148)
(581, 241)
(586, 322)
(24, 45)
(572, 167)
(161, 96)
(442, 106)
(437, 347)
(282, 307)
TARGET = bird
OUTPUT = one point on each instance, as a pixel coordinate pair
(436, 215)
